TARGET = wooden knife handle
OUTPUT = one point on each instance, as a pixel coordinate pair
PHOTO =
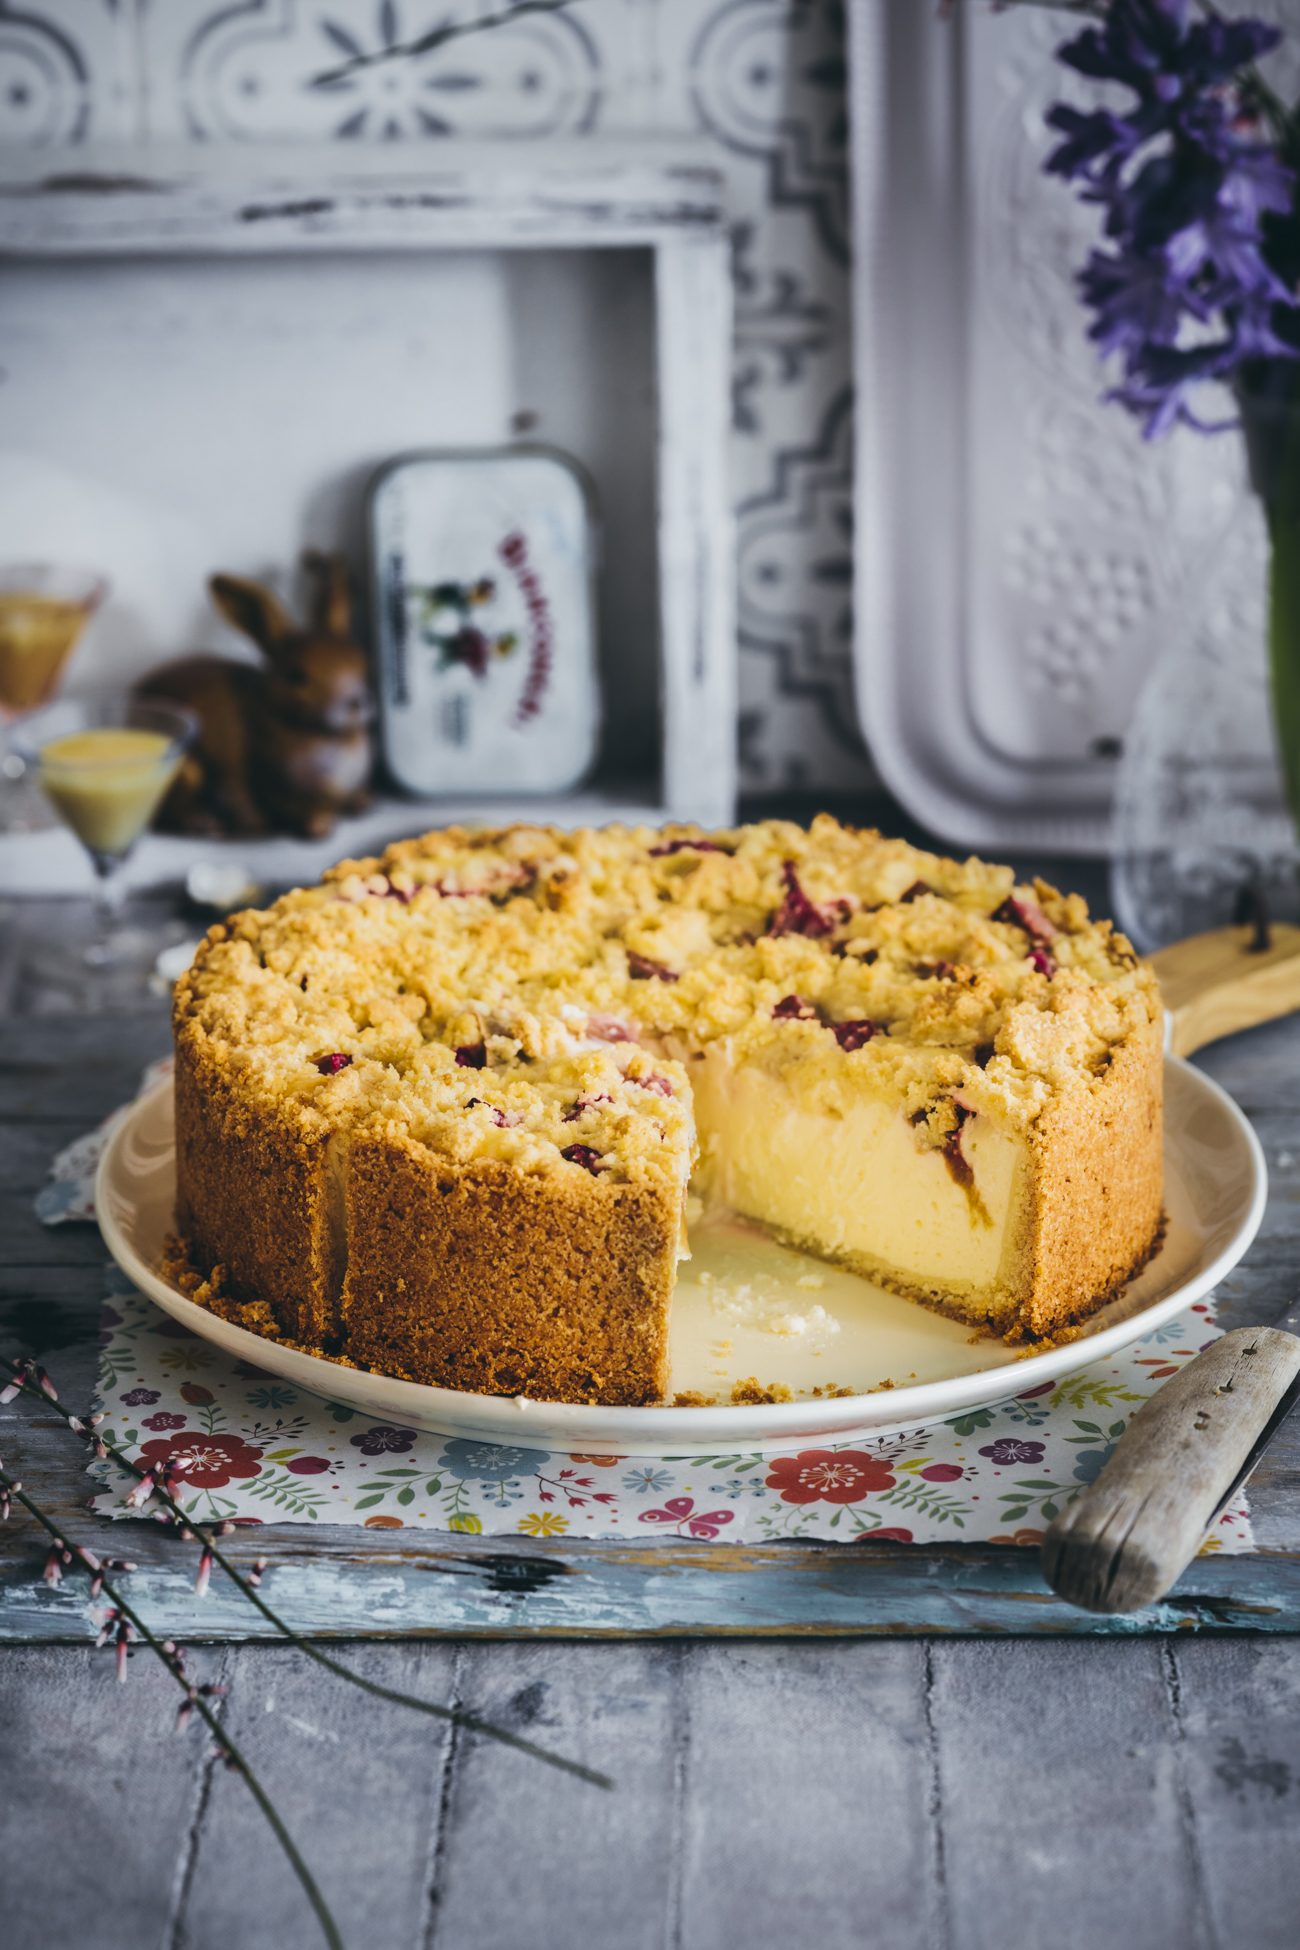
(1215, 984)
(1127, 1537)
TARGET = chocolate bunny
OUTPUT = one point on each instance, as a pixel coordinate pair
(285, 746)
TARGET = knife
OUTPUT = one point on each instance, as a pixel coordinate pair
(1131, 1534)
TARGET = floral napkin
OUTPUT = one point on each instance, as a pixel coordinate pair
(257, 1450)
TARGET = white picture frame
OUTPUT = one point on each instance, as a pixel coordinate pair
(594, 195)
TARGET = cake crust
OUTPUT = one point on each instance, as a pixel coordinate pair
(475, 1280)
(250, 1195)
(1099, 1188)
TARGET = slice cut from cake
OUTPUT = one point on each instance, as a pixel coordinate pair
(438, 1114)
(949, 1223)
(969, 1216)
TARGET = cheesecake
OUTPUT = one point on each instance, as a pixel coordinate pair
(439, 1115)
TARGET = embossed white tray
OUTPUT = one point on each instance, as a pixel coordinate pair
(1021, 554)
(735, 1294)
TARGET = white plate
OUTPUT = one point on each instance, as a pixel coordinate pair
(734, 1299)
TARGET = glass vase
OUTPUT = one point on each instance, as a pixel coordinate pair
(1208, 785)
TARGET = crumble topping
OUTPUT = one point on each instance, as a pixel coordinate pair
(537, 996)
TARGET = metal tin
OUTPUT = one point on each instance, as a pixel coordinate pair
(482, 570)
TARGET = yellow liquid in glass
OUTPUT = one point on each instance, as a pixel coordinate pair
(107, 783)
(37, 633)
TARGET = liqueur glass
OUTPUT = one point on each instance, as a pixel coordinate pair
(1207, 806)
(43, 611)
(105, 762)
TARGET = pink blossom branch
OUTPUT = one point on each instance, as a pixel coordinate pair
(122, 1621)
(27, 1378)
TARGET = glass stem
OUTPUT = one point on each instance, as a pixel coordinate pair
(110, 893)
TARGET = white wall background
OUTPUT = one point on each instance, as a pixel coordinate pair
(761, 81)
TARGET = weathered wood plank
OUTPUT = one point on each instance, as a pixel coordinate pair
(53, 1068)
(809, 1799)
(1074, 1796)
(1237, 1714)
(30, 1147)
(278, 198)
(36, 1247)
(52, 1312)
(533, 1856)
(358, 1784)
(1062, 1818)
(28, 1151)
(97, 1795)
(342, 1585)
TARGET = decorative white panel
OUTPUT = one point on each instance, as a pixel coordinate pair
(1085, 541)
(249, 73)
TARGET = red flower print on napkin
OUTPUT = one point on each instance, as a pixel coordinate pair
(680, 1513)
(203, 1462)
(828, 1476)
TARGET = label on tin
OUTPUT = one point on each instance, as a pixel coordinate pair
(482, 583)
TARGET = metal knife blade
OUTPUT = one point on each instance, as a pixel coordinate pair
(1289, 1322)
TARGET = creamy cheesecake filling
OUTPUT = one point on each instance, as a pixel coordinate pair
(857, 1185)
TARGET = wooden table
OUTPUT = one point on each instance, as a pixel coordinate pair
(859, 1760)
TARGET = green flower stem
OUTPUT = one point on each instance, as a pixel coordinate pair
(1284, 637)
(305, 1877)
(312, 1651)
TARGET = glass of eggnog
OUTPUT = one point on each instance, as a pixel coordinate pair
(104, 762)
(44, 608)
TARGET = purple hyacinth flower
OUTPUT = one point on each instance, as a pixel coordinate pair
(1199, 214)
